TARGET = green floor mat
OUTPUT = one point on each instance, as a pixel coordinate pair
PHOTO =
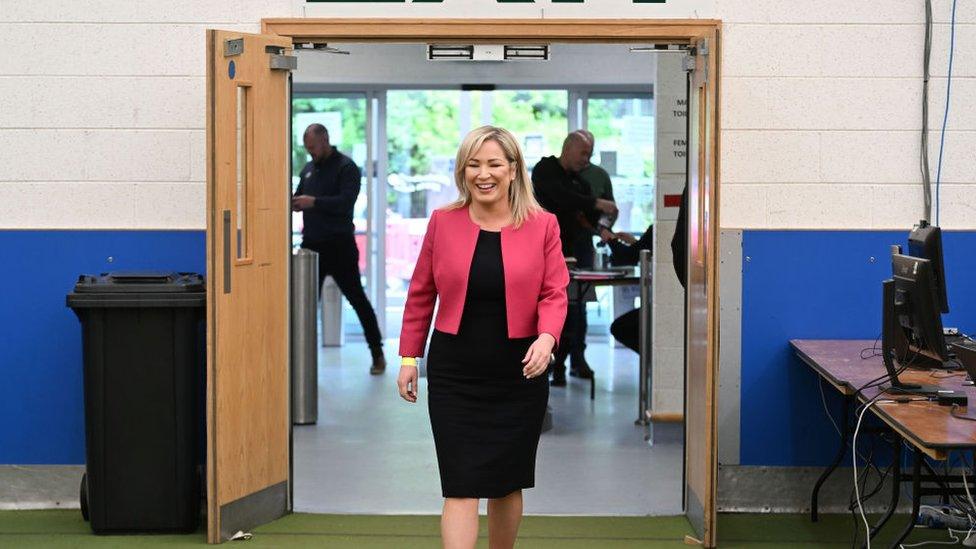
(65, 528)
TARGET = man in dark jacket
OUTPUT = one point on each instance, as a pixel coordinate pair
(326, 194)
(556, 184)
(559, 190)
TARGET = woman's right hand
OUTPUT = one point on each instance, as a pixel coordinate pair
(407, 383)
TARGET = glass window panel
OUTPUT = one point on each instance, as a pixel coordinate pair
(536, 117)
(423, 128)
(623, 126)
(242, 175)
(344, 115)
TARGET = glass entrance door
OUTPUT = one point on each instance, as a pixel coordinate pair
(405, 142)
(345, 115)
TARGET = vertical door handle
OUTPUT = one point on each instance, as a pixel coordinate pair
(227, 263)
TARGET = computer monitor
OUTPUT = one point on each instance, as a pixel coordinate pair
(911, 321)
(925, 241)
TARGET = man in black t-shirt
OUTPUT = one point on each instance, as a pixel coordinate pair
(327, 191)
(556, 185)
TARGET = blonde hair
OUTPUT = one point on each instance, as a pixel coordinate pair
(521, 197)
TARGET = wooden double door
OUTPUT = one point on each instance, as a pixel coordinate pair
(248, 252)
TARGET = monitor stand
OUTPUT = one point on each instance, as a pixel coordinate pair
(894, 345)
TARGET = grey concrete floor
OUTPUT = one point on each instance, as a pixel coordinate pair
(373, 453)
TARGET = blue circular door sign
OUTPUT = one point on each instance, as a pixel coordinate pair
(231, 70)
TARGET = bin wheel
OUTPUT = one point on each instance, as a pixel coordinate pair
(84, 496)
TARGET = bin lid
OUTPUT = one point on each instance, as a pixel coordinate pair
(139, 290)
(141, 282)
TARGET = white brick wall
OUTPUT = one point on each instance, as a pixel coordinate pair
(102, 123)
(667, 327)
(822, 113)
(103, 104)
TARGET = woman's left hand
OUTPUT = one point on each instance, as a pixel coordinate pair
(537, 357)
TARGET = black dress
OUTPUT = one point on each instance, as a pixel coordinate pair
(486, 417)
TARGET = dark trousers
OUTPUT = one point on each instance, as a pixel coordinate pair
(339, 258)
(626, 329)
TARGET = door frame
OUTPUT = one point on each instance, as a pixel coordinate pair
(604, 31)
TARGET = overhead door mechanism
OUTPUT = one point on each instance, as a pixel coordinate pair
(279, 60)
(487, 52)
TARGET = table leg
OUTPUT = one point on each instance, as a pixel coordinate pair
(844, 433)
(895, 490)
(916, 497)
(946, 490)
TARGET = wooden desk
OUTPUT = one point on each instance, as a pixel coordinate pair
(928, 427)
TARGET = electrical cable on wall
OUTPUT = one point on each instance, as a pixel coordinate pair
(924, 157)
(945, 117)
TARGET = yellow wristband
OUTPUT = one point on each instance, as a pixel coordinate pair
(408, 361)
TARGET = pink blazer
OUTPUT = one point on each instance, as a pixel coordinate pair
(535, 278)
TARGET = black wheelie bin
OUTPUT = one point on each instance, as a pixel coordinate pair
(143, 346)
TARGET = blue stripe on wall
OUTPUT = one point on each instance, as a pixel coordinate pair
(817, 284)
(797, 284)
(41, 401)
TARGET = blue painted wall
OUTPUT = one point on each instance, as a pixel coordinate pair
(818, 284)
(41, 402)
(797, 284)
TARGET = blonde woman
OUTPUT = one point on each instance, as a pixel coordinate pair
(494, 260)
